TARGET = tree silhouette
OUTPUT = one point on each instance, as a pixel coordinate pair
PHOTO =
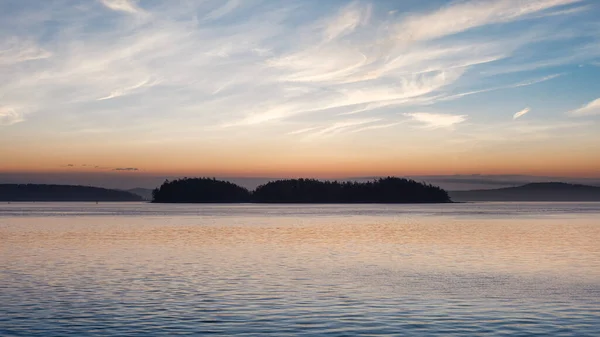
(385, 190)
(200, 190)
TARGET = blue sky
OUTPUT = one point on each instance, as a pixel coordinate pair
(117, 83)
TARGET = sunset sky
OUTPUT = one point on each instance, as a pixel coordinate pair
(253, 88)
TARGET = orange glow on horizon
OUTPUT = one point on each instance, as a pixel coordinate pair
(279, 161)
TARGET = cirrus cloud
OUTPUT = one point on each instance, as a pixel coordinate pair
(436, 120)
(521, 113)
(126, 169)
(590, 109)
(10, 116)
(122, 5)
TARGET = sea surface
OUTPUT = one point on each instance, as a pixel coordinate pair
(137, 269)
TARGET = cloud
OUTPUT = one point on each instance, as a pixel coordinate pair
(9, 116)
(126, 169)
(436, 120)
(347, 20)
(377, 126)
(510, 86)
(129, 90)
(254, 71)
(14, 50)
(355, 98)
(590, 109)
(538, 80)
(227, 8)
(341, 126)
(521, 113)
(122, 5)
(462, 16)
(305, 130)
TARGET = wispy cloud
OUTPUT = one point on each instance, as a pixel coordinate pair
(377, 126)
(14, 51)
(228, 7)
(9, 116)
(436, 120)
(510, 86)
(355, 98)
(521, 113)
(341, 126)
(129, 90)
(99, 167)
(128, 6)
(462, 16)
(126, 169)
(590, 109)
(537, 80)
(347, 20)
(185, 67)
(305, 130)
(345, 126)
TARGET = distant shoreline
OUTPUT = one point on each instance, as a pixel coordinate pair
(62, 193)
(533, 192)
(299, 192)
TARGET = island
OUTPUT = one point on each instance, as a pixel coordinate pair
(200, 190)
(42, 192)
(384, 190)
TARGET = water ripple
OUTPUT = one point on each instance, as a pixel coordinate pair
(369, 271)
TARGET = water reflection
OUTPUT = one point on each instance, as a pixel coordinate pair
(291, 271)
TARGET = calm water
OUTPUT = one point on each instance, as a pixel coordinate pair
(495, 269)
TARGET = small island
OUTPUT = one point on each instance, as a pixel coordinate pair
(384, 190)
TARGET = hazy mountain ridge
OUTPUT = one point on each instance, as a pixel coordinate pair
(145, 193)
(548, 191)
(42, 192)
(129, 180)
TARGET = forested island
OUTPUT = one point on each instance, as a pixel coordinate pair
(200, 190)
(384, 190)
(41, 192)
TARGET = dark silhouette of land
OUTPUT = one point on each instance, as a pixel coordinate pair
(382, 190)
(385, 190)
(200, 190)
(39, 192)
(552, 191)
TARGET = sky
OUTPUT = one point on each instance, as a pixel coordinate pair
(257, 88)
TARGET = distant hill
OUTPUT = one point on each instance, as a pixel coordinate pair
(552, 191)
(38, 192)
(145, 193)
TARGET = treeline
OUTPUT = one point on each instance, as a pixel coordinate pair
(200, 190)
(384, 190)
(41, 192)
